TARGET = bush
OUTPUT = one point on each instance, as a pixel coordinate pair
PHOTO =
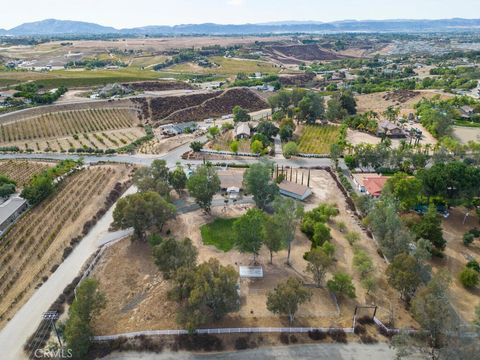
(317, 335)
(468, 238)
(338, 335)
(368, 339)
(197, 342)
(352, 237)
(284, 339)
(473, 264)
(290, 149)
(241, 343)
(359, 329)
(469, 278)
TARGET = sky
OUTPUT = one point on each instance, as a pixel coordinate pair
(135, 13)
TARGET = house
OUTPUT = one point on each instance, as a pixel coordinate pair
(390, 129)
(179, 128)
(10, 210)
(242, 131)
(370, 184)
(294, 190)
(466, 112)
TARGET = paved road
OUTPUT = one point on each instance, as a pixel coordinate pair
(14, 335)
(351, 351)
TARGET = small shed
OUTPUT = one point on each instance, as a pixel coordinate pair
(250, 271)
(242, 131)
(294, 190)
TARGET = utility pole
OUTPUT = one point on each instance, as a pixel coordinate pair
(52, 316)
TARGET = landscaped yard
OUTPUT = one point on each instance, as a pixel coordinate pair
(317, 139)
(223, 141)
(219, 234)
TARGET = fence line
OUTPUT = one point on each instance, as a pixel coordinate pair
(228, 153)
(218, 331)
(313, 155)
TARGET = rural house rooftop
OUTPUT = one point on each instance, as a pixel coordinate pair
(294, 190)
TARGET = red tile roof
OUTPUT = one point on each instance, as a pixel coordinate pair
(374, 185)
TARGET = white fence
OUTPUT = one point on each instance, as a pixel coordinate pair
(313, 155)
(218, 331)
(230, 153)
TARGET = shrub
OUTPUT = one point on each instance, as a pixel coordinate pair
(197, 342)
(352, 237)
(290, 149)
(359, 329)
(368, 339)
(284, 339)
(342, 227)
(468, 238)
(469, 278)
(473, 264)
(241, 343)
(196, 146)
(338, 335)
(317, 335)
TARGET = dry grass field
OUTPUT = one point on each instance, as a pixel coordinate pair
(22, 171)
(36, 243)
(137, 293)
(376, 102)
(61, 131)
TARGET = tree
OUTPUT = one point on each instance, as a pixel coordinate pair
(286, 132)
(257, 181)
(206, 293)
(142, 211)
(234, 146)
(319, 261)
(171, 255)
(213, 131)
(240, 114)
(336, 151)
(39, 188)
(203, 184)
(362, 262)
(405, 189)
(256, 146)
(335, 111)
(290, 149)
(431, 309)
(88, 302)
(341, 285)
(391, 113)
(286, 297)
(153, 178)
(287, 214)
(394, 238)
(178, 179)
(249, 232)
(196, 146)
(7, 186)
(430, 228)
(268, 129)
(469, 278)
(311, 107)
(272, 237)
(403, 276)
(321, 233)
(348, 102)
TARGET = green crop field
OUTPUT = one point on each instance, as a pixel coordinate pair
(317, 139)
(219, 234)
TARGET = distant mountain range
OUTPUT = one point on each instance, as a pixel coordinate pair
(66, 27)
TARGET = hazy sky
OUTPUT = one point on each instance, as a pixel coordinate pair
(131, 13)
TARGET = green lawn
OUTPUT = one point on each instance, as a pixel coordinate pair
(219, 234)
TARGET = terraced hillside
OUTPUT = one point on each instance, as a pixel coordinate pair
(221, 103)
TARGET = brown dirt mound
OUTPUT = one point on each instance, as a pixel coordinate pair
(161, 107)
(221, 105)
(401, 96)
(158, 85)
(309, 52)
(297, 80)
